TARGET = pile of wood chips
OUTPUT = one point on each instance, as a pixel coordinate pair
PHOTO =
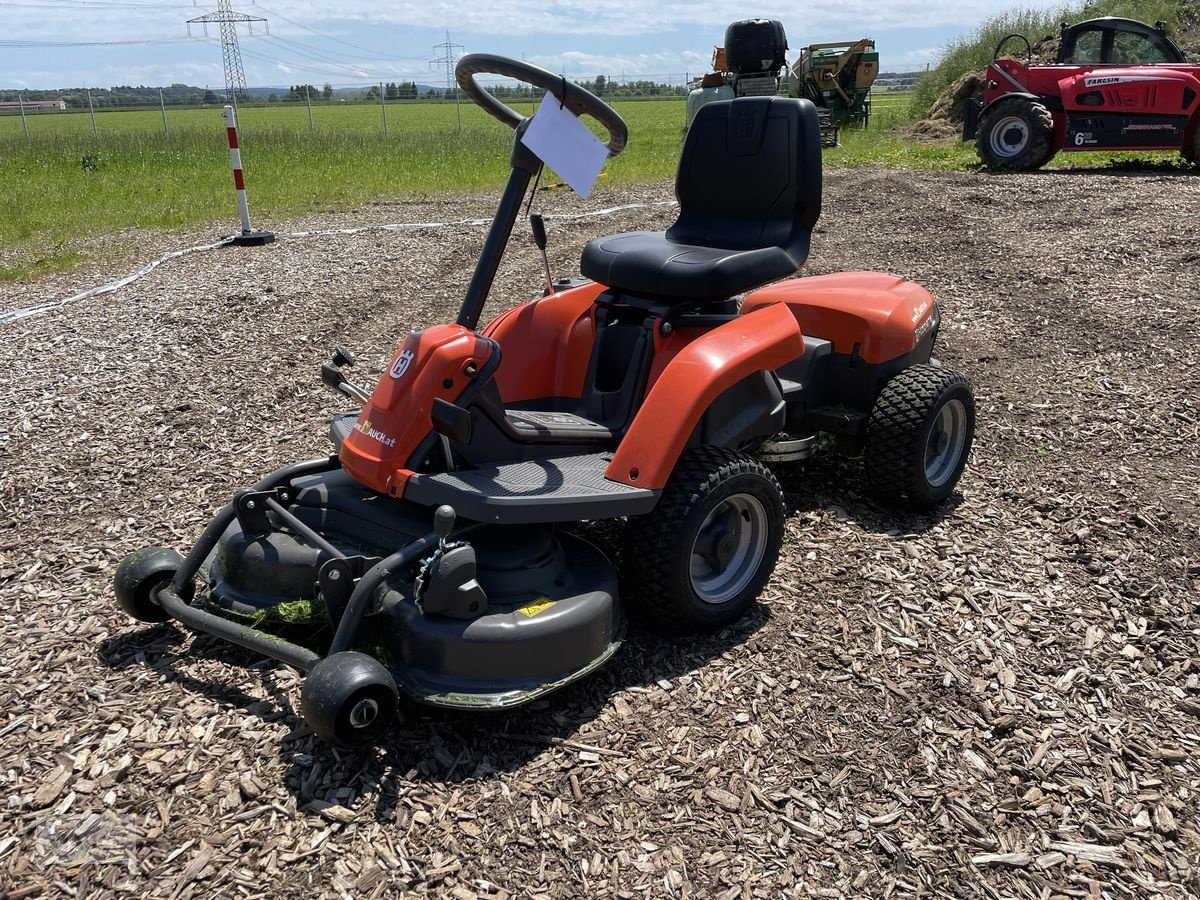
(1001, 700)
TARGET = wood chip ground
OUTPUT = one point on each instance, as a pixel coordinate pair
(1001, 700)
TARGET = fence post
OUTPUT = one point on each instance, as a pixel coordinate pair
(24, 124)
(163, 106)
(308, 100)
(247, 238)
(383, 106)
(92, 113)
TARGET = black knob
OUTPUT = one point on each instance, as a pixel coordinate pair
(443, 521)
(538, 224)
(343, 357)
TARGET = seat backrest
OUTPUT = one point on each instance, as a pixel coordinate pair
(750, 174)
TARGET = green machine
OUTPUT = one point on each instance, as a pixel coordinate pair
(836, 77)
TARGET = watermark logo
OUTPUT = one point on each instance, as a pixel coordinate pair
(374, 433)
(95, 838)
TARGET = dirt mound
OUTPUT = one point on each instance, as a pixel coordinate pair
(945, 118)
(952, 105)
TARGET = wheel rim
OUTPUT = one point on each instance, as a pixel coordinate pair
(363, 717)
(944, 446)
(728, 548)
(1009, 136)
(363, 713)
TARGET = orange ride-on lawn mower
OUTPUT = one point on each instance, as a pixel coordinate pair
(435, 546)
(1118, 84)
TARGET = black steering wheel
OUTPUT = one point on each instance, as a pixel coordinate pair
(576, 99)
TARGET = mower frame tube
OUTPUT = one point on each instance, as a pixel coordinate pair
(242, 635)
(212, 534)
(171, 600)
(356, 606)
(303, 530)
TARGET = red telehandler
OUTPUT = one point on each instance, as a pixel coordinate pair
(1117, 85)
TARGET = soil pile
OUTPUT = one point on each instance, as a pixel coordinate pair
(946, 117)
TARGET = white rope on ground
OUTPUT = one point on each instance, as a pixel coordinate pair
(18, 314)
(460, 223)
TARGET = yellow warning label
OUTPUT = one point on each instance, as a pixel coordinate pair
(533, 607)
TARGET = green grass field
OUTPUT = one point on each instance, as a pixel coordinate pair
(65, 182)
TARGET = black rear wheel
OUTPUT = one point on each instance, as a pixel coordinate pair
(699, 560)
(919, 437)
(1015, 134)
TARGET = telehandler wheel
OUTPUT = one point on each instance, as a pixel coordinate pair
(140, 575)
(1016, 134)
(349, 699)
(699, 560)
(919, 437)
(1191, 149)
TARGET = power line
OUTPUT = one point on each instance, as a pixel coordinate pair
(318, 54)
(320, 34)
(303, 46)
(348, 69)
(77, 6)
(50, 44)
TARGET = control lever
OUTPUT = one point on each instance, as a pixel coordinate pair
(538, 225)
(443, 524)
(333, 376)
(446, 584)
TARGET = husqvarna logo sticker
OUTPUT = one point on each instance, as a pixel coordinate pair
(400, 366)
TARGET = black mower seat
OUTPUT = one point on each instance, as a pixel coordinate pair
(749, 191)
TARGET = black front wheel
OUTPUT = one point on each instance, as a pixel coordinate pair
(349, 699)
(919, 437)
(699, 560)
(139, 577)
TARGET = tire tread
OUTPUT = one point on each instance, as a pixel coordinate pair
(892, 474)
(1040, 149)
(651, 538)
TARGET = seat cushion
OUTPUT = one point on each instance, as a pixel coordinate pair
(648, 262)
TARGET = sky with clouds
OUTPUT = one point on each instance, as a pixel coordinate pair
(365, 41)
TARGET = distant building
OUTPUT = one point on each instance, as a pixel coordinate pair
(31, 105)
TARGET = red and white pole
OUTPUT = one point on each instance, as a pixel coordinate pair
(248, 237)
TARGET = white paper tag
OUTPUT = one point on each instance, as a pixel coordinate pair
(561, 141)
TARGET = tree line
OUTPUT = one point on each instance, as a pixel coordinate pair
(189, 95)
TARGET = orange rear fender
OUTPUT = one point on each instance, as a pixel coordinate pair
(761, 340)
(884, 315)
